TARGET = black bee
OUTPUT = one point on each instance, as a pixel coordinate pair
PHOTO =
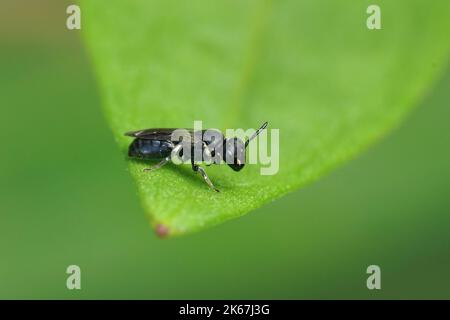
(158, 144)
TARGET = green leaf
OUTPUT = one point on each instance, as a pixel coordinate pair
(310, 68)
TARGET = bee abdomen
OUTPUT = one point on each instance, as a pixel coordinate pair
(149, 149)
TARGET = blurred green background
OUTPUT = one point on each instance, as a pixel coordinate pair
(66, 198)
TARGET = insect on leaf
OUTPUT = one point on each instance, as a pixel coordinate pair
(312, 69)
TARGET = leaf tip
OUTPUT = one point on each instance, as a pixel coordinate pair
(161, 230)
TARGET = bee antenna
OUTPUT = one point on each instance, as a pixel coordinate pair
(264, 125)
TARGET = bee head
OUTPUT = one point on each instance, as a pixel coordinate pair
(235, 153)
(235, 150)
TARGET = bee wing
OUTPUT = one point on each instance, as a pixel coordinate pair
(158, 133)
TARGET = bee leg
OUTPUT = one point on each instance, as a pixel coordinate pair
(205, 176)
(158, 165)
